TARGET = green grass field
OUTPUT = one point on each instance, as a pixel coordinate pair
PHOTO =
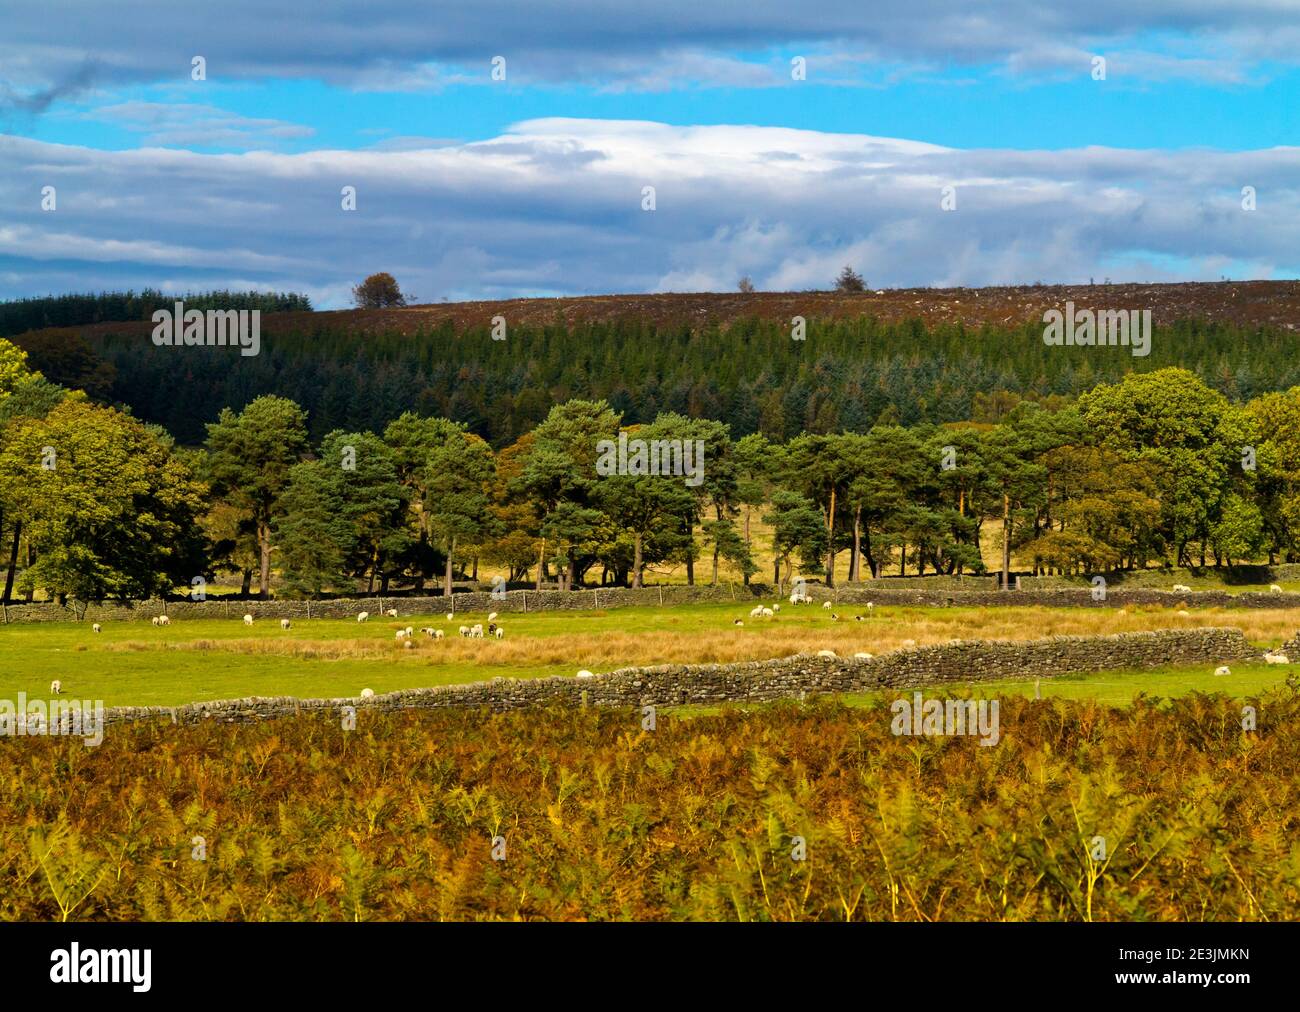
(135, 663)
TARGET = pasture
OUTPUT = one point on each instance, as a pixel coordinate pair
(136, 663)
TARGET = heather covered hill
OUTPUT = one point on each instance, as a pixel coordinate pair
(1245, 303)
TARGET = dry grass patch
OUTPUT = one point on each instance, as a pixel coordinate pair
(608, 643)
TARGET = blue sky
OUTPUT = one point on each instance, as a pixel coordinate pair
(475, 188)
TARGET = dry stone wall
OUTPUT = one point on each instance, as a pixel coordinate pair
(479, 602)
(623, 597)
(788, 677)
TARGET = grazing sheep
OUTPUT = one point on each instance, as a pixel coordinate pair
(870, 605)
(410, 631)
(155, 621)
(492, 616)
(56, 687)
(437, 634)
(464, 630)
(584, 673)
(500, 633)
(1273, 588)
(826, 606)
(400, 635)
(826, 653)
(476, 630)
(392, 613)
(408, 644)
(738, 622)
(367, 693)
(756, 611)
(248, 620)
(768, 613)
(1182, 588)
(776, 607)
(164, 620)
(284, 624)
(864, 656)
(1223, 670)
(95, 628)
(1272, 658)
(451, 616)
(362, 616)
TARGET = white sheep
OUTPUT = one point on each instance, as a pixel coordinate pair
(451, 616)
(826, 606)
(1272, 658)
(768, 613)
(1182, 588)
(437, 634)
(870, 606)
(492, 616)
(776, 607)
(56, 687)
(285, 624)
(248, 620)
(476, 630)
(826, 653)
(909, 643)
(1184, 614)
(362, 616)
(584, 673)
(408, 644)
(756, 611)
(164, 620)
(464, 630)
(392, 613)
(1273, 588)
(95, 628)
(410, 631)
(1223, 670)
(367, 693)
(500, 633)
(864, 656)
(400, 635)
(155, 621)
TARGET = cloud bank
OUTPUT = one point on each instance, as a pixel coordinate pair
(555, 206)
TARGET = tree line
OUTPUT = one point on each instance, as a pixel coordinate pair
(82, 309)
(1157, 467)
(848, 375)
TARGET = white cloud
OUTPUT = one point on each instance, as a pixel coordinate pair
(554, 206)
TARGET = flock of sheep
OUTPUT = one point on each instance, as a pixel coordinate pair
(401, 635)
(406, 636)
